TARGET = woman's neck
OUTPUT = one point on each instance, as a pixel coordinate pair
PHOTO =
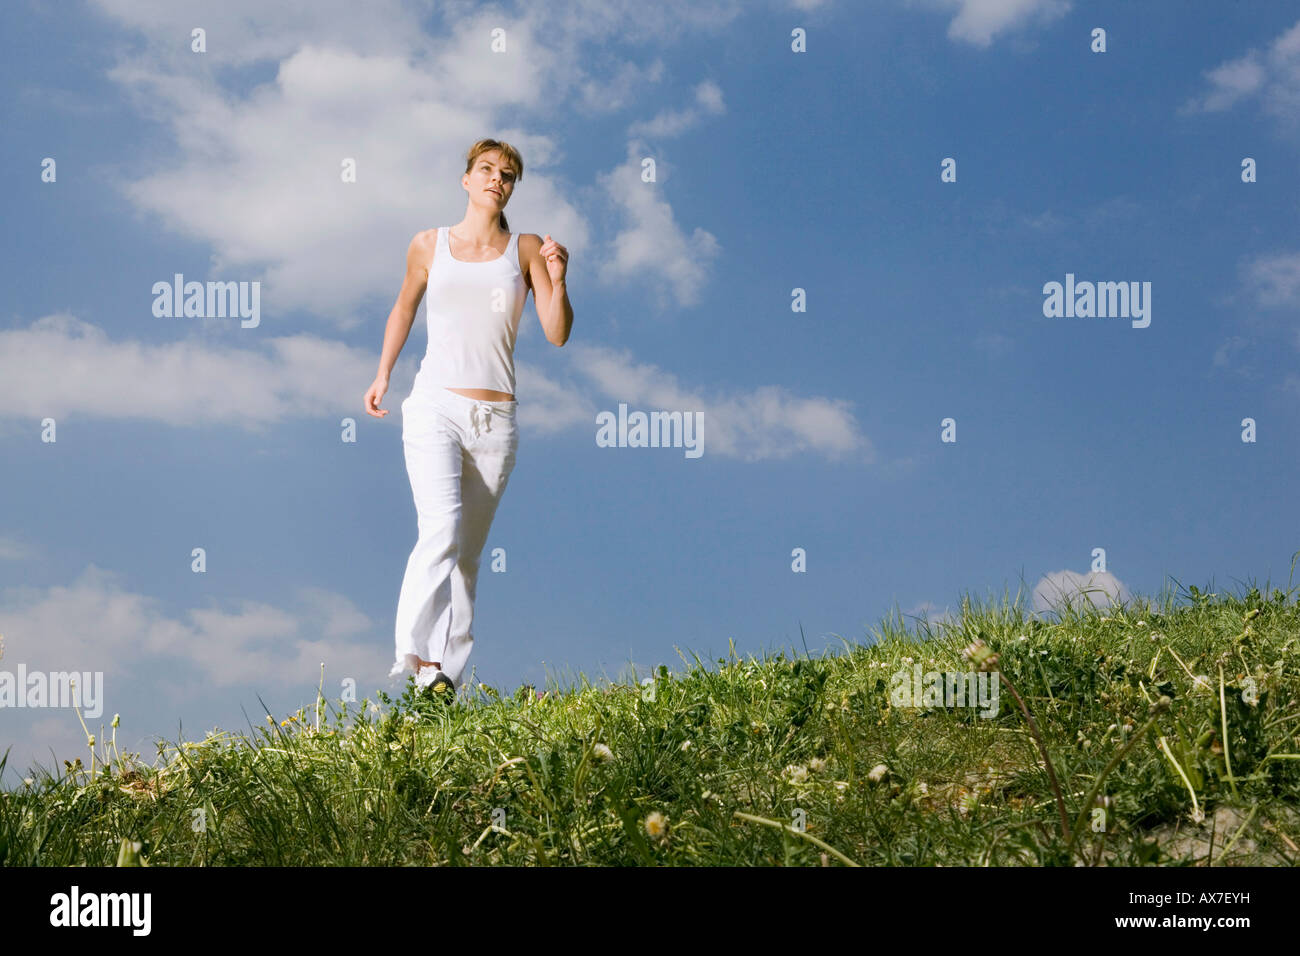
(478, 230)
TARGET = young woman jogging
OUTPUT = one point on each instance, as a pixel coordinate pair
(458, 423)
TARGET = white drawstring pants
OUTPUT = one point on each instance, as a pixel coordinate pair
(460, 452)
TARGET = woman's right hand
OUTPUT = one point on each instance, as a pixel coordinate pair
(374, 395)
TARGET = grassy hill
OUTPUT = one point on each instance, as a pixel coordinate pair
(1171, 734)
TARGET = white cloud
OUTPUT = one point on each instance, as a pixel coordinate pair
(1058, 588)
(708, 102)
(97, 624)
(613, 92)
(155, 664)
(1230, 356)
(980, 22)
(400, 88)
(767, 422)
(11, 549)
(925, 613)
(44, 741)
(259, 179)
(1273, 75)
(653, 248)
(240, 32)
(1275, 279)
(62, 366)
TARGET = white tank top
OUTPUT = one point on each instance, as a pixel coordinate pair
(472, 312)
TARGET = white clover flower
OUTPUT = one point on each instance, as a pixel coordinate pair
(1141, 623)
(603, 752)
(796, 773)
(686, 745)
(877, 773)
(656, 826)
(817, 765)
(28, 781)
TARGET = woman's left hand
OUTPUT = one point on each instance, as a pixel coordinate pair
(556, 256)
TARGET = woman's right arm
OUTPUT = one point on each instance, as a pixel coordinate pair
(400, 319)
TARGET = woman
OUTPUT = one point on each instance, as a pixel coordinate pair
(458, 423)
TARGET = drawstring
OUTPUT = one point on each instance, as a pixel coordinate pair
(487, 416)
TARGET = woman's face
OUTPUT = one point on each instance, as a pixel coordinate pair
(488, 182)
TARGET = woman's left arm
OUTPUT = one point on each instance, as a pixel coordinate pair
(547, 269)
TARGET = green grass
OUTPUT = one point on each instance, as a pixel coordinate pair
(750, 762)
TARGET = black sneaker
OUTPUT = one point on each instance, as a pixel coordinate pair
(442, 688)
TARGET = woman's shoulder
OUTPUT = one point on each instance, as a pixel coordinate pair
(425, 239)
(421, 250)
(530, 243)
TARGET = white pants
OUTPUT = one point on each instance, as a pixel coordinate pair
(460, 452)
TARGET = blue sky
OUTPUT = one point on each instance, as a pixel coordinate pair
(775, 171)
